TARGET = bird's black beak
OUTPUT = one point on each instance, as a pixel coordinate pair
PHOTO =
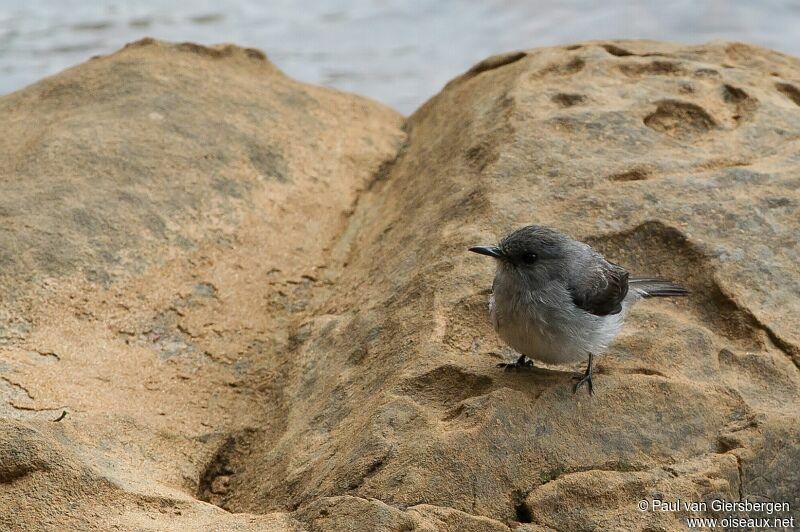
(491, 251)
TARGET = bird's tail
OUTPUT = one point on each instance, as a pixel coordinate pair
(652, 287)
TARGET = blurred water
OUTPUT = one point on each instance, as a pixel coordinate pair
(400, 52)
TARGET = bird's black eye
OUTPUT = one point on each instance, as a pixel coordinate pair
(529, 258)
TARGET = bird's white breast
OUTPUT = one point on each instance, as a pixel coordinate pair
(545, 324)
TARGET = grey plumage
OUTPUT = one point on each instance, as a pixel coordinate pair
(653, 287)
(557, 300)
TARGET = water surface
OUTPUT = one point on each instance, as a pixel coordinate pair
(399, 52)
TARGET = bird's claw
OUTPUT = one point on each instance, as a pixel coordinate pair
(583, 378)
(521, 362)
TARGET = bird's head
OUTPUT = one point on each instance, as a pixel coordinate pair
(528, 247)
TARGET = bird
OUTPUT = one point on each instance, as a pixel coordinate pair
(556, 300)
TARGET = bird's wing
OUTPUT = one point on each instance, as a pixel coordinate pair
(600, 291)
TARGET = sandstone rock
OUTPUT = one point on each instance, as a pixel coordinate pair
(603, 498)
(353, 513)
(256, 293)
(165, 210)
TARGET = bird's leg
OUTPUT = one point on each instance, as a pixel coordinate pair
(522, 362)
(584, 378)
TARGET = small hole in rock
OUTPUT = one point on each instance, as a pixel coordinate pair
(790, 91)
(616, 50)
(523, 513)
(636, 174)
(568, 100)
(733, 94)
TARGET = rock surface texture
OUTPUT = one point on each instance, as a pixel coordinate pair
(253, 299)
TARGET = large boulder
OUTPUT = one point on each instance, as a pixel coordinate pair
(166, 211)
(253, 293)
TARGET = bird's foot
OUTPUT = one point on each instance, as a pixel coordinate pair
(584, 378)
(521, 362)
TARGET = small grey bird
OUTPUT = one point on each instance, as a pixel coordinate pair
(557, 300)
